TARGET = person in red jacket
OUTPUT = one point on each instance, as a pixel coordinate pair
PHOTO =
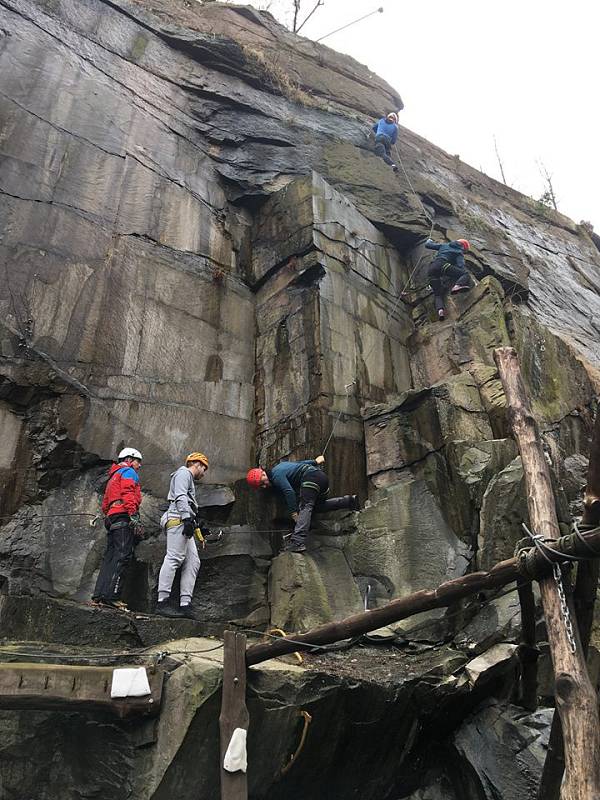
(120, 506)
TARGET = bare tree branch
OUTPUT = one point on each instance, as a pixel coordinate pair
(499, 161)
(296, 12)
(548, 197)
(318, 3)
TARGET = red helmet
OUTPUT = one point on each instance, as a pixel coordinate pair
(254, 477)
(464, 243)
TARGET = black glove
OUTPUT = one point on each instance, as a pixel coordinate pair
(189, 525)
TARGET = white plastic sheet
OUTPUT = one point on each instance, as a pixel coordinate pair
(129, 682)
(236, 758)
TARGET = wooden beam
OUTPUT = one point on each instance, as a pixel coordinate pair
(72, 688)
(584, 598)
(575, 697)
(234, 713)
(403, 607)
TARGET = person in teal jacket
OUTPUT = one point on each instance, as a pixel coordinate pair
(448, 266)
(304, 488)
(386, 134)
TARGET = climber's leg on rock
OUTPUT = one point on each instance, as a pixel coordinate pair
(177, 548)
(348, 502)
(462, 282)
(118, 555)
(383, 147)
(436, 281)
(189, 573)
(313, 488)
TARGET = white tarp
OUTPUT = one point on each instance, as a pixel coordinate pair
(236, 758)
(129, 682)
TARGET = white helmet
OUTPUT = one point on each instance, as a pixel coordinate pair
(129, 452)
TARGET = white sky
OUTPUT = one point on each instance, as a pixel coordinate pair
(525, 71)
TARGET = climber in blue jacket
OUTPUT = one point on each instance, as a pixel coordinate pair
(304, 487)
(448, 265)
(386, 133)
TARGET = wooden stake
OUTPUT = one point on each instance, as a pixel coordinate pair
(575, 696)
(234, 713)
(584, 599)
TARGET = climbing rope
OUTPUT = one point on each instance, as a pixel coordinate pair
(335, 424)
(50, 516)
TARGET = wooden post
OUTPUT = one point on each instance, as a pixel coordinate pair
(234, 713)
(584, 599)
(575, 696)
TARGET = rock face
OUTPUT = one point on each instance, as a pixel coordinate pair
(201, 251)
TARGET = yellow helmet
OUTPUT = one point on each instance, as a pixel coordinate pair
(197, 457)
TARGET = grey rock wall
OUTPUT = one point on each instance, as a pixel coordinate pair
(201, 251)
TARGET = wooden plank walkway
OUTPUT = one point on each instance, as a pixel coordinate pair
(81, 688)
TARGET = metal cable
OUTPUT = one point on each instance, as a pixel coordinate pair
(544, 548)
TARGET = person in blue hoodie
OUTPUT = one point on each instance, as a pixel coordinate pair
(304, 487)
(386, 133)
(448, 267)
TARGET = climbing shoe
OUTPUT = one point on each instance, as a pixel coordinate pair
(458, 288)
(441, 314)
(290, 547)
(165, 609)
(187, 611)
(395, 167)
(354, 502)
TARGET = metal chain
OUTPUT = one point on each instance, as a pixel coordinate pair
(564, 606)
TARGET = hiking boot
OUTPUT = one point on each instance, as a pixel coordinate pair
(441, 314)
(189, 612)
(165, 609)
(458, 288)
(296, 548)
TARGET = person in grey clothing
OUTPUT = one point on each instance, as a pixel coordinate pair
(181, 524)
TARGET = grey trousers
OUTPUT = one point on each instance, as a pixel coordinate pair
(181, 552)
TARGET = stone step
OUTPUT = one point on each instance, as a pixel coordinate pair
(55, 621)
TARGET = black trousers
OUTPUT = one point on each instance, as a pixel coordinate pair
(383, 145)
(313, 497)
(442, 276)
(117, 557)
